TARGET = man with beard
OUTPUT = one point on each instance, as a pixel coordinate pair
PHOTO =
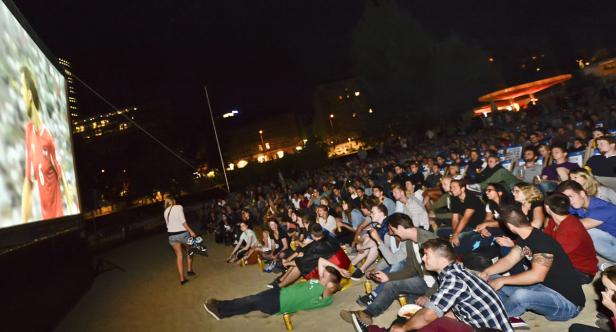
(530, 169)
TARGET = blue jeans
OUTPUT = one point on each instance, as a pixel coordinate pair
(413, 287)
(604, 243)
(539, 299)
(470, 240)
(390, 269)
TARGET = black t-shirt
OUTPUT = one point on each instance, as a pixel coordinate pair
(602, 166)
(470, 202)
(562, 276)
(281, 235)
(531, 211)
(325, 247)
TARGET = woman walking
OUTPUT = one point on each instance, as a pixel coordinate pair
(178, 231)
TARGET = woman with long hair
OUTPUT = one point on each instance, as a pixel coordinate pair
(496, 196)
(531, 200)
(592, 187)
(178, 232)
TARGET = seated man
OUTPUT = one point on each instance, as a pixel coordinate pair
(468, 212)
(570, 233)
(366, 248)
(462, 303)
(306, 259)
(603, 166)
(302, 296)
(551, 287)
(412, 279)
(496, 173)
(411, 206)
(598, 217)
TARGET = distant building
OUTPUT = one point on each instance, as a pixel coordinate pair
(108, 124)
(73, 107)
(260, 138)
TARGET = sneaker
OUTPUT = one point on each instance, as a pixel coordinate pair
(346, 316)
(604, 266)
(603, 323)
(268, 268)
(273, 284)
(357, 274)
(211, 307)
(191, 273)
(358, 324)
(518, 323)
(365, 300)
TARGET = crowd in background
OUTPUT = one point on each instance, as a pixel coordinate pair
(527, 202)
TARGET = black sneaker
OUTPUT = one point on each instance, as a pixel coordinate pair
(211, 307)
(358, 324)
(191, 273)
(365, 300)
(357, 274)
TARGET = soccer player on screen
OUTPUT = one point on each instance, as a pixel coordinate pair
(41, 163)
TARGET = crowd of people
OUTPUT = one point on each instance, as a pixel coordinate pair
(477, 227)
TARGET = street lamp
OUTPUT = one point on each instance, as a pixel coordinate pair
(262, 141)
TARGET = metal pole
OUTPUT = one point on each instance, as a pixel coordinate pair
(222, 162)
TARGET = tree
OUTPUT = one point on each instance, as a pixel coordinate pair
(412, 76)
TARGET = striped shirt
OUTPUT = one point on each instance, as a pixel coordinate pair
(470, 299)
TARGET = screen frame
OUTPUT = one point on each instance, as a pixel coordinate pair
(34, 225)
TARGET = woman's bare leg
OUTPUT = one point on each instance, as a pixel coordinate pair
(177, 249)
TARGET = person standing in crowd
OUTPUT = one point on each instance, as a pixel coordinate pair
(570, 233)
(598, 217)
(462, 303)
(551, 287)
(178, 232)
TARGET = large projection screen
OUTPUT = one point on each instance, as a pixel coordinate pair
(37, 170)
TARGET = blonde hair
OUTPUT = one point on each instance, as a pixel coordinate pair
(591, 185)
(531, 193)
(169, 201)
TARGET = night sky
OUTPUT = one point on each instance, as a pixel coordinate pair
(266, 56)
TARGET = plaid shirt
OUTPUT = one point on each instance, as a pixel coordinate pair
(471, 299)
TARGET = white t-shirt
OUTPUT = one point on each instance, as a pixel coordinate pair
(329, 224)
(174, 217)
(250, 237)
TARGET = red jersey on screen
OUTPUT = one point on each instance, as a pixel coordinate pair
(43, 168)
(576, 242)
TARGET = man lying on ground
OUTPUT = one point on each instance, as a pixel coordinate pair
(308, 295)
